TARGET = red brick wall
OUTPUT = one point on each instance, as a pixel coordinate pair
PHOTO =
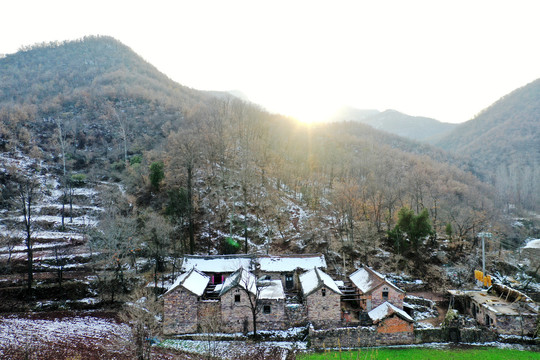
(394, 324)
(394, 297)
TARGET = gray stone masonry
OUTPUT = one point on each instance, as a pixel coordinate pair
(323, 308)
(276, 319)
(296, 315)
(356, 337)
(209, 316)
(236, 316)
(179, 312)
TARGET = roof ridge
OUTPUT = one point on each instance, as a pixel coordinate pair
(318, 277)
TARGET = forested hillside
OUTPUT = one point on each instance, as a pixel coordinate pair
(504, 141)
(206, 173)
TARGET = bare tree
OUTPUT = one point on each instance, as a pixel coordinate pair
(142, 314)
(185, 149)
(209, 325)
(253, 288)
(27, 195)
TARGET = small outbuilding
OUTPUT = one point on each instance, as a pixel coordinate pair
(390, 319)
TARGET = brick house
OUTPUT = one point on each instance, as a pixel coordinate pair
(390, 319)
(181, 302)
(322, 298)
(373, 289)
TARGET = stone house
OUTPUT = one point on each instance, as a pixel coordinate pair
(505, 310)
(217, 293)
(390, 319)
(286, 268)
(181, 303)
(373, 289)
(322, 298)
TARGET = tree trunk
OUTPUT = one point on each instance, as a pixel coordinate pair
(190, 210)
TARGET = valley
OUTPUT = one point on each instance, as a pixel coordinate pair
(113, 173)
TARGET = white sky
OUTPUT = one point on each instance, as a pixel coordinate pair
(442, 59)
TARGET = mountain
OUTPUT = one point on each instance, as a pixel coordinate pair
(195, 168)
(392, 121)
(98, 90)
(504, 140)
(412, 127)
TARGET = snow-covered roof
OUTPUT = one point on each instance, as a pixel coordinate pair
(216, 263)
(314, 279)
(193, 280)
(271, 289)
(386, 309)
(242, 278)
(366, 279)
(533, 244)
(289, 263)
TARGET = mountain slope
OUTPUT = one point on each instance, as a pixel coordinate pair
(412, 127)
(229, 169)
(108, 101)
(504, 139)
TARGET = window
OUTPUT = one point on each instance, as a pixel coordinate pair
(237, 298)
(323, 292)
(267, 309)
(385, 293)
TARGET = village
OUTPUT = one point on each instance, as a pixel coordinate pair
(232, 293)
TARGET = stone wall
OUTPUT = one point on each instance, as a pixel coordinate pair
(276, 320)
(356, 337)
(179, 312)
(209, 316)
(369, 336)
(236, 315)
(323, 308)
(473, 335)
(296, 315)
(516, 325)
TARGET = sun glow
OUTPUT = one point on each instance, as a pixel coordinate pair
(306, 109)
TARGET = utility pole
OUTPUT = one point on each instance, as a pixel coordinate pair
(484, 235)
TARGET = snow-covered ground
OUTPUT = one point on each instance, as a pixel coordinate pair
(64, 331)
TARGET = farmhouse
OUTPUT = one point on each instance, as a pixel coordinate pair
(225, 293)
